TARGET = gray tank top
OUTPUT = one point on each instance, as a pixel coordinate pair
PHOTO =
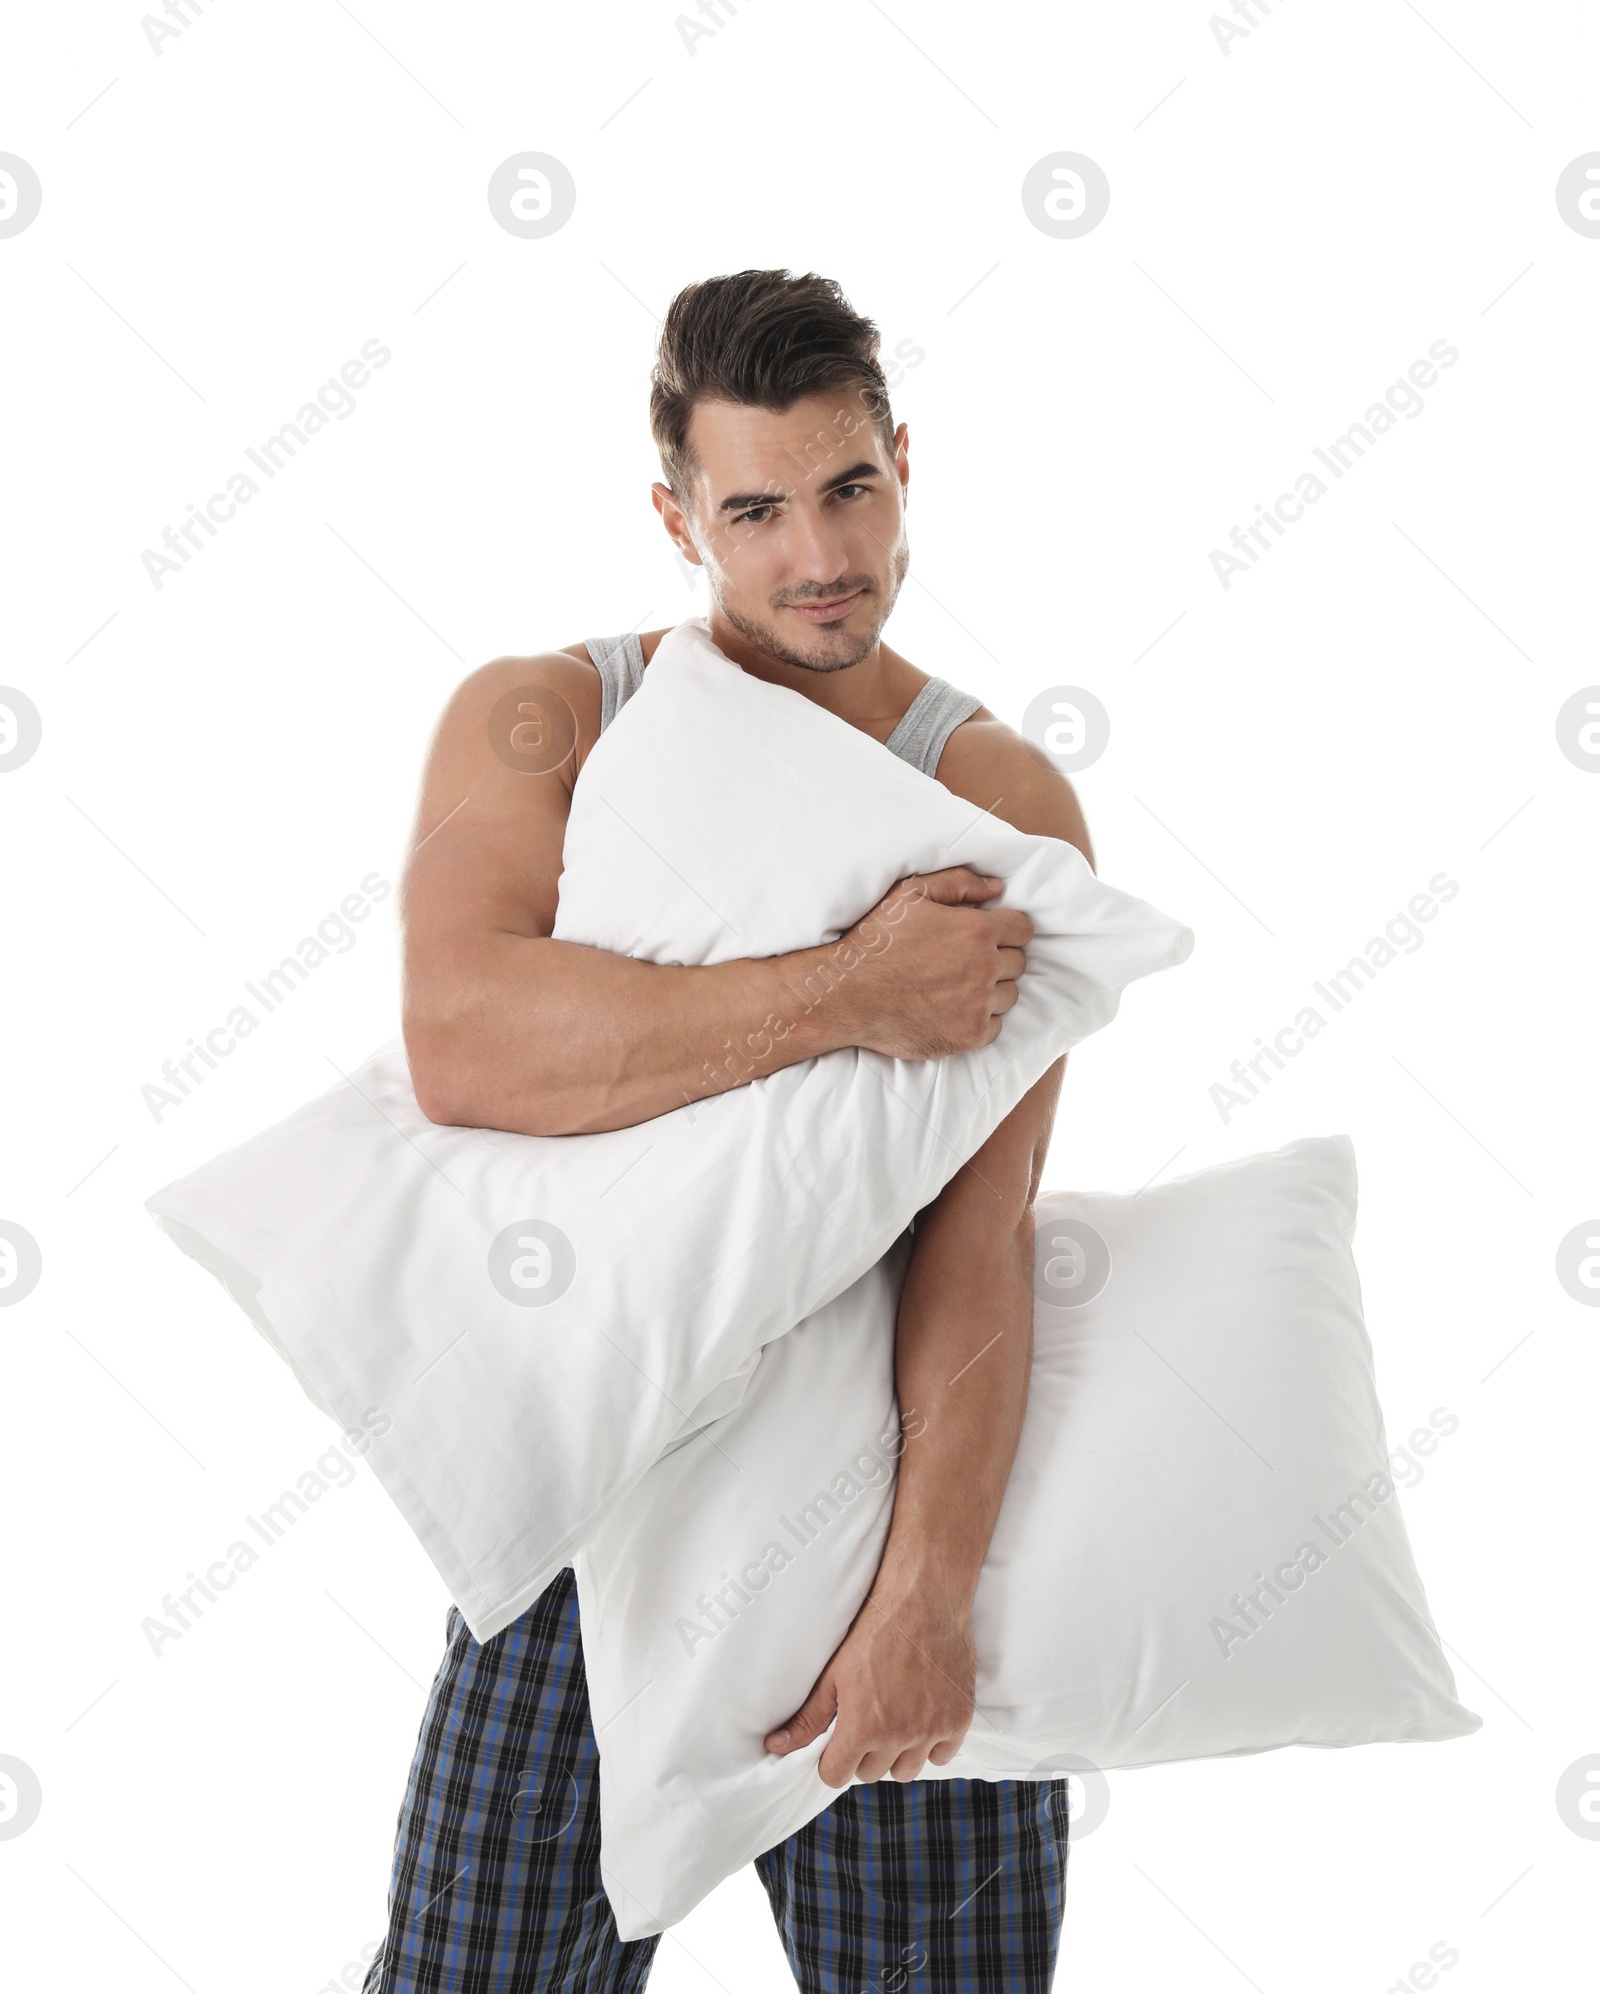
(919, 737)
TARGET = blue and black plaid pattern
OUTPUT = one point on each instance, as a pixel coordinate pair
(496, 1881)
(932, 1887)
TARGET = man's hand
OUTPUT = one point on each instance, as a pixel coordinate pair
(900, 1684)
(937, 971)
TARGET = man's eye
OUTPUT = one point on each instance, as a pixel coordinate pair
(849, 488)
(741, 518)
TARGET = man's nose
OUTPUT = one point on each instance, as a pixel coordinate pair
(816, 548)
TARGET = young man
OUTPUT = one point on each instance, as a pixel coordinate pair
(786, 480)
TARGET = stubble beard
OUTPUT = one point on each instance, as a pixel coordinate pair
(765, 638)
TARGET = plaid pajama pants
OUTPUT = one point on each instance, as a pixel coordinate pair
(926, 1887)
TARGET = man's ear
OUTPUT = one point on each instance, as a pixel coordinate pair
(902, 457)
(672, 517)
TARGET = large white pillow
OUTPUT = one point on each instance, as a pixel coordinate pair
(1202, 1432)
(640, 1272)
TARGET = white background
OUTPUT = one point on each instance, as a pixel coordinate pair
(1292, 223)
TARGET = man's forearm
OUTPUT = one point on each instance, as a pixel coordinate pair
(507, 1028)
(963, 1353)
(546, 1037)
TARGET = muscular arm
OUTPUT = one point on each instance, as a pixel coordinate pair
(901, 1682)
(507, 1028)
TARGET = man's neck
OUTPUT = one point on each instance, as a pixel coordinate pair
(871, 694)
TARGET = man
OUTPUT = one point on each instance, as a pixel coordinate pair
(786, 480)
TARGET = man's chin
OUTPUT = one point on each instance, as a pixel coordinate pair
(818, 647)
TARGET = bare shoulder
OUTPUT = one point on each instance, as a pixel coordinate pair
(555, 692)
(987, 763)
(538, 711)
(495, 797)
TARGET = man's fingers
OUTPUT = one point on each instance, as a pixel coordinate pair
(841, 1763)
(846, 1759)
(958, 883)
(836, 1767)
(1012, 928)
(809, 1721)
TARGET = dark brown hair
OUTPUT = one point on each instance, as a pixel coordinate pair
(768, 340)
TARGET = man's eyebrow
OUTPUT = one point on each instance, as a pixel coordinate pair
(857, 474)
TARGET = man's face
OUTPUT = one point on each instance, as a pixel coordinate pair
(799, 521)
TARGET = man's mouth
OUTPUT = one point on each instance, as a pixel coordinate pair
(826, 612)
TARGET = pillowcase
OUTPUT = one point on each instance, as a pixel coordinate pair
(1200, 1552)
(540, 1317)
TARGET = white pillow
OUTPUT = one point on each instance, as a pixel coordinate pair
(1202, 1413)
(641, 1271)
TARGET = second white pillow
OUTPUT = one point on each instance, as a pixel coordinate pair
(1200, 1552)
